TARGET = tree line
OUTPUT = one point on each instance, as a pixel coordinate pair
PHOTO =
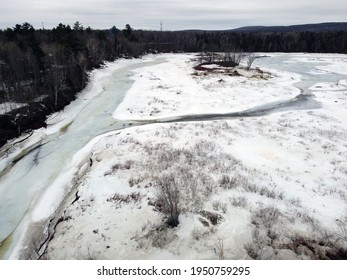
(44, 69)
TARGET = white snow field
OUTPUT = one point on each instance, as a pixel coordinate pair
(272, 186)
(266, 185)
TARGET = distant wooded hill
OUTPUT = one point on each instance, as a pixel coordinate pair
(318, 27)
(315, 27)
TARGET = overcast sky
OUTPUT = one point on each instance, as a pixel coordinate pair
(175, 14)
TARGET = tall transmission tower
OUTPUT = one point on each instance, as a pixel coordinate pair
(161, 26)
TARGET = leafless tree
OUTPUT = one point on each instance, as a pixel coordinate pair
(57, 81)
(236, 57)
(95, 50)
(168, 196)
(250, 59)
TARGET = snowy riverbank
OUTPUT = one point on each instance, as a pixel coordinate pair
(41, 166)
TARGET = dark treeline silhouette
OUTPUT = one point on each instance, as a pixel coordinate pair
(44, 69)
(316, 42)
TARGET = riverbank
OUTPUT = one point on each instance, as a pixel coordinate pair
(41, 166)
(266, 187)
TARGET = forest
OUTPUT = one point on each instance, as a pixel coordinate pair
(42, 70)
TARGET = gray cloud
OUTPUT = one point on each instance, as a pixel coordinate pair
(176, 14)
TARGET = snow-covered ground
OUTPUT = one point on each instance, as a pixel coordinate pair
(267, 187)
(6, 107)
(174, 88)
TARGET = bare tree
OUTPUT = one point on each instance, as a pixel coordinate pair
(57, 81)
(168, 197)
(95, 50)
(236, 57)
(250, 59)
(232, 58)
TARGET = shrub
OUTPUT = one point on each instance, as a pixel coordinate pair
(152, 234)
(342, 228)
(168, 196)
(213, 217)
(238, 202)
(220, 249)
(266, 217)
(250, 59)
(220, 206)
(120, 198)
(86, 255)
(259, 248)
(227, 183)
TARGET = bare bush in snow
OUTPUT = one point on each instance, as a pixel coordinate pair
(220, 249)
(342, 228)
(156, 235)
(266, 217)
(259, 248)
(232, 58)
(86, 255)
(250, 59)
(120, 198)
(239, 202)
(220, 206)
(226, 182)
(213, 217)
(168, 195)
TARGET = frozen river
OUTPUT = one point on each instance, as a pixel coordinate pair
(32, 188)
(27, 184)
